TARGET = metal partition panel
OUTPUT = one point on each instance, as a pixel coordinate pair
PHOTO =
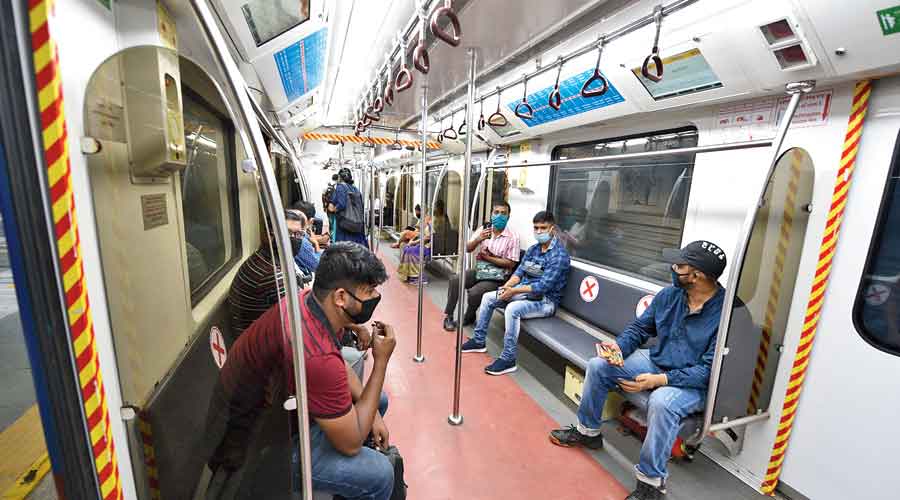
(765, 289)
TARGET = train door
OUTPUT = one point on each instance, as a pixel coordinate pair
(404, 202)
(390, 194)
(446, 214)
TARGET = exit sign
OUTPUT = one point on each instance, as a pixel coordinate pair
(889, 20)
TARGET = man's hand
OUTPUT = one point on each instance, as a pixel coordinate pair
(644, 382)
(380, 433)
(363, 335)
(506, 293)
(612, 353)
(485, 234)
(383, 342)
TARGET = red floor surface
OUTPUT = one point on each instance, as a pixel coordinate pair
(501, 451)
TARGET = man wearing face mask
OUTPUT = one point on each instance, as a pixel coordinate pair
(533, 291)
(684, 318)
(497, 257)
(343, 412)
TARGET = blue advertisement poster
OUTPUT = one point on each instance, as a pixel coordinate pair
(572, 101)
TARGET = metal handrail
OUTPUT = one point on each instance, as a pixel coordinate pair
(455, 417)
(256, 145)
(423, 166)
(796, 91)
(713, 148)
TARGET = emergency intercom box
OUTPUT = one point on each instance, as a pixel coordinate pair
(153, 109)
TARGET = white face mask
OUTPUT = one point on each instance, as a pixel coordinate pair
(543, 237)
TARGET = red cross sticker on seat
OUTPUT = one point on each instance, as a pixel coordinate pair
(642, 305)
(589, 289)
(217, 346)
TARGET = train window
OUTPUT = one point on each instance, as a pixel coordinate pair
(877, 309)
(208, 193)
(622, 214)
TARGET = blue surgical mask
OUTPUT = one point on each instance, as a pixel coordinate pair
(499, 221)
(543, 237)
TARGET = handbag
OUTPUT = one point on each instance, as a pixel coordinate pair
(486, 271)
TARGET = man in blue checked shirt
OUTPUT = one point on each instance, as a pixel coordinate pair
(684, 318)
(305, 254)
(533, 291)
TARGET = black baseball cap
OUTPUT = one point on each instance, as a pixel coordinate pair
(703, 255)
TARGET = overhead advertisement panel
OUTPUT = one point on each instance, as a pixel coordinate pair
(684, 73)
(572, 101)
(301, 66)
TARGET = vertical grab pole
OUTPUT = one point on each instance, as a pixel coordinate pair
(455, 417)
(253, 138)
(372, 185)
(419, 358)
(796, 91)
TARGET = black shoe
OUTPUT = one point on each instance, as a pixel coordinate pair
(644, 491)
(449, 324)
(570, 437)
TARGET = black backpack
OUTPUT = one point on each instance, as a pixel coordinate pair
(352, 219)
(393, 455)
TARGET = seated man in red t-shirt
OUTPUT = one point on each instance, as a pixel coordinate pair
(343, 412)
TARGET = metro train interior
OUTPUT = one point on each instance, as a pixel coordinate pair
(624, 249)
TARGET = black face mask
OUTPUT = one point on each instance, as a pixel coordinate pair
(676, 281)
(368, 309)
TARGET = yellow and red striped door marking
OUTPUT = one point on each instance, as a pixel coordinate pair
(384, 141)
(820, 282)
(149, 455)
(784, 243)
(56, 157)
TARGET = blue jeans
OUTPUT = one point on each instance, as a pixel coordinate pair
(666, 409)
(365, 476)
(516, 310)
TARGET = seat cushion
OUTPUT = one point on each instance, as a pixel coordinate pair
(564, 338)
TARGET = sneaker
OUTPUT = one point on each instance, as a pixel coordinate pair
(449, 324)
(472, 346)
(570, 438)
(644, 491)
(500, 367)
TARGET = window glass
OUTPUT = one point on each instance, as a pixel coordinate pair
(621, 214)
(270, 18)
(208, 185)
(877, 310)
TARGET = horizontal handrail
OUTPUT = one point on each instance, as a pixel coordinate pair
(713, 148)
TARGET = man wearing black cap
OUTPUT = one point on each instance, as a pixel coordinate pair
(684, 318)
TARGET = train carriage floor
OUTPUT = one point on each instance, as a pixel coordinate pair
(501, 451)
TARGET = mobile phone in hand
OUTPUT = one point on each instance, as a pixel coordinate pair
(486, 225)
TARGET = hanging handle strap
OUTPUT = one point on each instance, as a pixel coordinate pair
(446, 12)
(555, 99)
(404, 78)
(481, 121)
(420, 55)
(523, 109)
(654, 58)
(586, 90)
(498, 119)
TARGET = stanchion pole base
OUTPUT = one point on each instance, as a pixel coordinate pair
(455, 419)
(419, 359)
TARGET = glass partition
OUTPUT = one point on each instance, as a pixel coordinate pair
(446, 215)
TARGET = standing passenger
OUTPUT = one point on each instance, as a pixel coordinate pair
(349, 209)
(533, 291)
(684, 318)
(498, 255)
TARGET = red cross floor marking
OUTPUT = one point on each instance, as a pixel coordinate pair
(219, 351)
(589, 288)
